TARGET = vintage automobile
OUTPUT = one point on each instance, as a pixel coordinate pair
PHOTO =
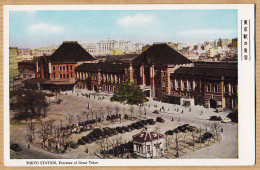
(160, 119)
(15, 147)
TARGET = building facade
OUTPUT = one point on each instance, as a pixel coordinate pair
(209, 85)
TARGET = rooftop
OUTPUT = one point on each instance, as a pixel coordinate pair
(146, 136)
(161, 54)
(70, 51)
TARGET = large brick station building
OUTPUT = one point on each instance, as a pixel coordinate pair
(209, 84)
(152, 68)
(103, 76)
(160, 70)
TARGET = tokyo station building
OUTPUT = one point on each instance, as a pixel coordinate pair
(158, 70)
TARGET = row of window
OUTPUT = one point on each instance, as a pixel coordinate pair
(62, 75)
(61, 68)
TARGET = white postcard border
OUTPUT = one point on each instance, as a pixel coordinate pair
(246, 90)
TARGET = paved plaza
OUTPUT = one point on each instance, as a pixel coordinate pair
(75, 103)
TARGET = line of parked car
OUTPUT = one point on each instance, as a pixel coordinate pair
(97, 133)
(183, 128)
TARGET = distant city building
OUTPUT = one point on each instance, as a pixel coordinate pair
(13, 63)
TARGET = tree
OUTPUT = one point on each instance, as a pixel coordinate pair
(30, 103)
(215, 128)
(131, 109)
(31, 131)
(130, 93)
(140, 111)
(70, 119)
(45, 130)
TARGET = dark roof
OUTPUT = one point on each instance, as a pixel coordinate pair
(103, 66)
(70, 51)
(161, 54)
(206, 72)
(147, 136)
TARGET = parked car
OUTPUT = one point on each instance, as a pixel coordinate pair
(120, 130)
(72, 145)
(114, 131)
(160, 119)
(140, 124)
(226, 120)
(169, 132)
(151, 121)
(107, 131)
(206, 136)
(215, 118)
(131, 127)
(15, 147)
(81, 142)
(191, 128)
(125, 128)
(182, 129)
(156, 112)
(136, 125)
(143, 122)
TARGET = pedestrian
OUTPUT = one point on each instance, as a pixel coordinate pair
(28, 146)
(86, 150)
(172, 119)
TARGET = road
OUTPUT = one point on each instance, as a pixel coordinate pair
(73, 104)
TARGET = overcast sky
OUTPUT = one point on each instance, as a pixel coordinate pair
(30, 29)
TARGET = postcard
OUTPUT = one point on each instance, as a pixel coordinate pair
(129, 85)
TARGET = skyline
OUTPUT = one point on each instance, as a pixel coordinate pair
(32, 29)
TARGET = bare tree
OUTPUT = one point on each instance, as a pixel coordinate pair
(145, 109)
(117, 142)
(140, 111)
(131, 109)
(70, 119)
(177, 145)
(215, 128)
(109, 110)
(79, 118)
(45, 130)
(193, 139)
(206, 126)
(117, 110)
(31, 131)
(102, 113)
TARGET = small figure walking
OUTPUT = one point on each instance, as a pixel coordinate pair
(172, 119)
(86, 150)
(28, 146)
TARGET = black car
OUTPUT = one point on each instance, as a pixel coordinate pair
(120, 130)
(215, 118)
(206, 136)
(15, 147)
(114, 131)
(151, 121)
(140, 124)
(90, 138)
(143, 122)
(107, 132)
(97, 135)
(182, 129)
(125, 128)
(169, 132)
(81, 142)
(131, 127)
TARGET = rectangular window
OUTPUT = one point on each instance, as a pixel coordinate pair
(71, 75)
(179, 84)
(215, 88)
(67, 76)
(63, 68)
(208, 88)
(70, 67)
(53, 68)
(191, 85)
(234, 89)
(67, 68)
(185, 85)
(63, 75)
(60, 75)
(226, 88)
(54, 75)
(60, 68)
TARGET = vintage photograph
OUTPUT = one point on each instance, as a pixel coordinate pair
(123, 84)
